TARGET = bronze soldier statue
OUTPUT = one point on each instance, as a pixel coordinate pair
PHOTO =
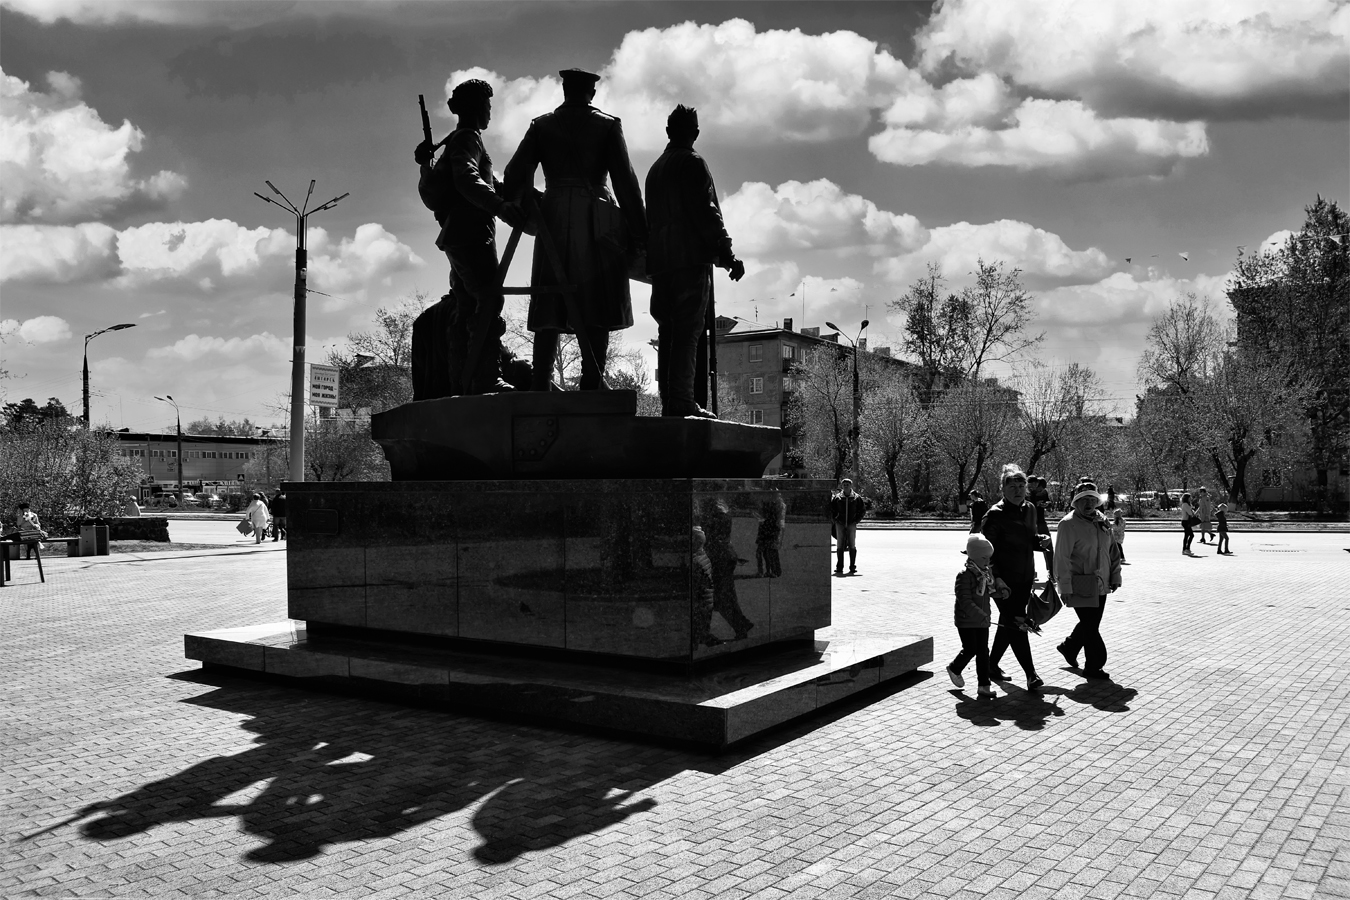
(687, 238)
(462, 192)
(578, 146)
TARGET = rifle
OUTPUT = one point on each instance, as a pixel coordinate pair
(426, 120)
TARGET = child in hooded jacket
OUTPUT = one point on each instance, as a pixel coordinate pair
(975, 584)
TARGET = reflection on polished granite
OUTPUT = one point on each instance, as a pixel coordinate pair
(715, 707)
(584, 565)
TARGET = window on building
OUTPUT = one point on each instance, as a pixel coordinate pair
(756, 417)
(756, 385)
(787, 383)
(756, 352)
(789, 351)
(1270, 478)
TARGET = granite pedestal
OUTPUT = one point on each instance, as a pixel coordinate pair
(558, 557)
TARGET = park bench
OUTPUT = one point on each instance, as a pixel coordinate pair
(9, 550)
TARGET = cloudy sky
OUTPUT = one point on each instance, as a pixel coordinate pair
(1090, 145)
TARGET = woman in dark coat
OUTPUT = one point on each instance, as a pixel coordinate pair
(1017, 530)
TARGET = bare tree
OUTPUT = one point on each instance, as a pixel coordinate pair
(1181, 342)
(937, 330)
(821, 410)
(894, 426)
(998, 310)
(971, 423)
(1252, 406)
(1054, 404)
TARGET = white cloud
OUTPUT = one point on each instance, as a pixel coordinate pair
(57, 253)
(1123, 299)
(37, 330)
(751, 88)
(369, 257)
(818, 215)
(1064, 136)
(106, 12)
(60, 162)
(1042, 256)
(264, 346)
(209, 255)
(1181, 60)
(193, 250)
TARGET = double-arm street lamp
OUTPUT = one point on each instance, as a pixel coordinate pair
(856, 430)
(298, 358)
(178, 419)
(87, 339)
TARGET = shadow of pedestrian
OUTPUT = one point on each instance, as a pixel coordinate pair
(328, 769)
(1103, 694)
(1025, 709)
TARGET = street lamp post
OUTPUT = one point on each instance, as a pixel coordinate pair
(178, 419)
(298, 356)
(87, 339)
(856, 431)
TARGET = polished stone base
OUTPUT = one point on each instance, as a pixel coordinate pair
(569, 434)
(728, 702)
(574, 565)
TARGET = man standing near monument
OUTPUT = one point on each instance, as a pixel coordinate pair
(466, 198)
(687, 238)
(578, 146)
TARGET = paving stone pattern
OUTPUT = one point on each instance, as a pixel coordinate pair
(1215, 765)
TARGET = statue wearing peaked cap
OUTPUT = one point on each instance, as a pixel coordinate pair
(578, 147)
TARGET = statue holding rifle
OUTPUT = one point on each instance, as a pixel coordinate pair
(582, 231)
(460, 189)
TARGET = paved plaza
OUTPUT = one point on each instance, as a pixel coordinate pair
(1215, 763)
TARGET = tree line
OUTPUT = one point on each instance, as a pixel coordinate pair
(1237, 406)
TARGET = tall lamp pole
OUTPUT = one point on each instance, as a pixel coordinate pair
(856, 430)
(87, 339)
(178, 419)
(298, 358)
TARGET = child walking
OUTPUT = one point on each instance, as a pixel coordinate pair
(1221, 516)
(975, 584)
(1118, 534)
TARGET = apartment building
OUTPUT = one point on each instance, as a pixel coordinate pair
(206, 459)
(757, 360)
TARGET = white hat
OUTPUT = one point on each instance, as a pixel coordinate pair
(979, 549)
(1086, 489)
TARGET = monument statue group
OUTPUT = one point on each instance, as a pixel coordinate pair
(588, 242)
(550, 554)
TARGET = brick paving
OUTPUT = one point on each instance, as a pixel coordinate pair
(1214, 766)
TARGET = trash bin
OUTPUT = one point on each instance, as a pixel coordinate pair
(94, 540)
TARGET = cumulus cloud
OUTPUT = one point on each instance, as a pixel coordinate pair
(209, 254)
(58, 254)
(1122, 299)
(1205, 58)
(60, 162)
(751, 88)
(196, 347)
(774, 87)
(1043, 256)
(816, 215)
(37, 330)
(1062, 135)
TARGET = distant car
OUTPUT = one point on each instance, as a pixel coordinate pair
(1147, 499)
(208, 501)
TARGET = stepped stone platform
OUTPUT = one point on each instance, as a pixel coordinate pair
(556, 557)
(739, 698)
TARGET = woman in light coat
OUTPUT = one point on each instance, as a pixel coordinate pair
(257, 516)
(1085, 572)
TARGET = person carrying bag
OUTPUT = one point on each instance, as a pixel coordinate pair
(1086, 570)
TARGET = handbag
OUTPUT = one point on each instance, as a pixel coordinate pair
(1045, 606)
(243, 528)
(1086, 586)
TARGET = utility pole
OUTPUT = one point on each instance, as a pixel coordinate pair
(178, 420)
(87, 339)
(298, 356)
(856, 431)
